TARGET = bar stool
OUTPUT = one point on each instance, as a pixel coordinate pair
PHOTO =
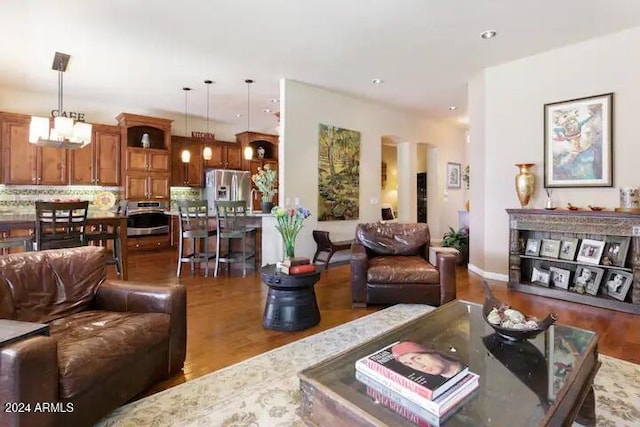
(60, 224)
(106, 234)
(194, 225)
(232, 225)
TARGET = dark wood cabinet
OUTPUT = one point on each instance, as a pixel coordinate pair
(24, 163)
(225, 155)
(560, 225)
(146, 169)
(99, 162)
(187, 174)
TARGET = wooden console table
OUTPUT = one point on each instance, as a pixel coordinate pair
(563, 224)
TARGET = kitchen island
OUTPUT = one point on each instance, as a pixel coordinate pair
(269, 242)
(12, 222)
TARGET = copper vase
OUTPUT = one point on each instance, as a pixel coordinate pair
(525, 183)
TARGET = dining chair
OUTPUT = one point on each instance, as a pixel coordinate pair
(194, 226)
(60, 224)
(231, 218)
(106, 233)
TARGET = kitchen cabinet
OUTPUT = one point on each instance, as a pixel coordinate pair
(264, 146)
(99, 162)
(187, 174)
(147, 159)
(225, 155)
(26, 163)
(146, 169)
(140, 185)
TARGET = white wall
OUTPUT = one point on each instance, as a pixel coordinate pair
(304, 107)
(511, 97)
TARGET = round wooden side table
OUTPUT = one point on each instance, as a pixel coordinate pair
(291, 301)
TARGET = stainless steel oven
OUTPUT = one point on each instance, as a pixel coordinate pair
(146, 218)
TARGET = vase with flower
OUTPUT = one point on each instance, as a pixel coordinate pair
(265, 179)
(289, 224)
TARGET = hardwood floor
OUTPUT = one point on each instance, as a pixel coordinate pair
(225, 313)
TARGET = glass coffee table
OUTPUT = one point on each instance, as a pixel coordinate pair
(542, 381)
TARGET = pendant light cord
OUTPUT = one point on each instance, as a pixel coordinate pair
(60, 88)
(186, 92)
(248, 82)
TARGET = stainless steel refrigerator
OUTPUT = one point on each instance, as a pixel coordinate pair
(228, 185)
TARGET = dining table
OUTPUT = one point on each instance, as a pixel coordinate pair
(27, 221)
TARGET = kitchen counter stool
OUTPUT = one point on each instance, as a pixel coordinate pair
(194, 225)
(232, 225)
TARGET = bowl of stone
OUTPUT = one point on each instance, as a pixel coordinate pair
(511, 324)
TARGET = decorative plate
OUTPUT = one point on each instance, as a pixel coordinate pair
(104, 200)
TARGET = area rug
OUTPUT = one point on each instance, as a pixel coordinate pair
(263, 391)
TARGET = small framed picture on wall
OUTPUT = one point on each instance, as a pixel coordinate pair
(454, 178)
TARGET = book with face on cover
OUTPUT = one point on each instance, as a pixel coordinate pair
(423, 370)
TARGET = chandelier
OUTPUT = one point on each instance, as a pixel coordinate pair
(66, 132)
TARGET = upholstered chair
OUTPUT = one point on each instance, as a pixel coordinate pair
(389, 265)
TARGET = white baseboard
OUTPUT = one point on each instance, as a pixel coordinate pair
(488, 274)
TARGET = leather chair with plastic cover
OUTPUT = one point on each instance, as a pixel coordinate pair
(389, 265)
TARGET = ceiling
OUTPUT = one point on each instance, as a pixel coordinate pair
(141, 53)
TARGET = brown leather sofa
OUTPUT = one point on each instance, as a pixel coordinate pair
(108, 342)
(389, 266)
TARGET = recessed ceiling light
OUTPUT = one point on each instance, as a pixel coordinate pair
(238, 115)
(377, 81)
(453, 108)
(275, 101)
(266, 110)
(489, 34)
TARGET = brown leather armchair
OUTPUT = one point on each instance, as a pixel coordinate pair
(108, 341)
(389, 266)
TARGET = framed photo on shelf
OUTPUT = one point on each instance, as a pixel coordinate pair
(550, 248)
(454, 176)
(559, 277)
(590, 251)
(568, 249)
(617, 284)
(540, 277)
(587, 279)
(578, 142)
(615, 250)
(533, 247)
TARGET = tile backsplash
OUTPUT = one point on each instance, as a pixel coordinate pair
(18, 198)
(23, 197)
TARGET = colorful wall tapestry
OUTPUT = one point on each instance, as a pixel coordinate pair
(338, 174)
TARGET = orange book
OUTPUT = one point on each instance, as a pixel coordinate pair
(299, 269)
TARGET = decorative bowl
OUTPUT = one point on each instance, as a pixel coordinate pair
(571, 207)
(596, 208)
(491, 302)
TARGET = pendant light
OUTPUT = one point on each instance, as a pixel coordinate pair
(185, 155)
(207, 153)
(248, 151)
(66, 132)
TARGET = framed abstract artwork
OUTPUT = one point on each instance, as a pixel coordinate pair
(578, 142)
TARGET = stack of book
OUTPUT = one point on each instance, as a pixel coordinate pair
(297, 265)
(420, 384)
